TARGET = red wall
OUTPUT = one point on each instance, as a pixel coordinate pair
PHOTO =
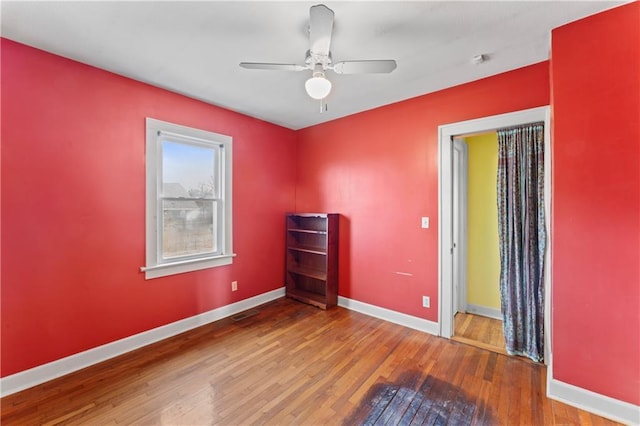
(379, 169)
(73, 208)
(595, 71)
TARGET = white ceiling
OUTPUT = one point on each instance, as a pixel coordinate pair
(194, 48)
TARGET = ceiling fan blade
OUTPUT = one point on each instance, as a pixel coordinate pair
(364, 67)
(274, 67)
(320, 29)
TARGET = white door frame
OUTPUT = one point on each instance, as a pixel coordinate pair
(446, 133)
(460, 246)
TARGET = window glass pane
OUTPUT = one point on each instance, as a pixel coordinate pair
(189, 228)
(188, 170)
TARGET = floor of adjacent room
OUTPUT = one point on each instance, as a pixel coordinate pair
(290, 363)
(479, 331)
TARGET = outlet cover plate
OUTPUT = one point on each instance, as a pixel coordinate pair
(426, 302)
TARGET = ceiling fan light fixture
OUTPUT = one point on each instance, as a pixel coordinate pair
(318, 87)
(318, 58)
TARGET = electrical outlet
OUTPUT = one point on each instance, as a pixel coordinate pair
(426, 302)
(425, 222)
(234, 285)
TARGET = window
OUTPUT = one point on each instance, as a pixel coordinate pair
(188, 199)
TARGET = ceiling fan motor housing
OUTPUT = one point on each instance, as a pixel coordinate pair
(313, 59)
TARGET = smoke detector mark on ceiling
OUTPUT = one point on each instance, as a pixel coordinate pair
(478, 59)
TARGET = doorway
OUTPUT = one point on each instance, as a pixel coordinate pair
(476, 255)
(448, 257)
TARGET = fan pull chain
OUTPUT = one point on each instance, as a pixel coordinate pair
(323, 106)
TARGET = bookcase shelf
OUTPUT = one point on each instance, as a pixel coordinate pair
(312, 258)
(307, 231)
(309, 250)
(307, 272)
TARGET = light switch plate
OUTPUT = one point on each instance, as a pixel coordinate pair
(425, 222)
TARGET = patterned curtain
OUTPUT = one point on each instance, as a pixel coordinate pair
(521, 228)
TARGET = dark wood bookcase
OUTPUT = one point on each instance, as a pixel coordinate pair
(312, 258)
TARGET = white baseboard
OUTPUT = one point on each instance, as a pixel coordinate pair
(484, 311)
(52, 370)
(596, 403)
(389, 315)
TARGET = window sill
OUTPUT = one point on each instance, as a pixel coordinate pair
(166, 269)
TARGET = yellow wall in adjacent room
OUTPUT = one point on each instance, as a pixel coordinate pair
(483, 259)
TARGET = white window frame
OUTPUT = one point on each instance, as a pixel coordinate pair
(156, 131)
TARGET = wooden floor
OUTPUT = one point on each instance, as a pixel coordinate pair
(479, 331)
(291, 363)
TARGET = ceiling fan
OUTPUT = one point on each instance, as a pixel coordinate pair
(318, 58)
